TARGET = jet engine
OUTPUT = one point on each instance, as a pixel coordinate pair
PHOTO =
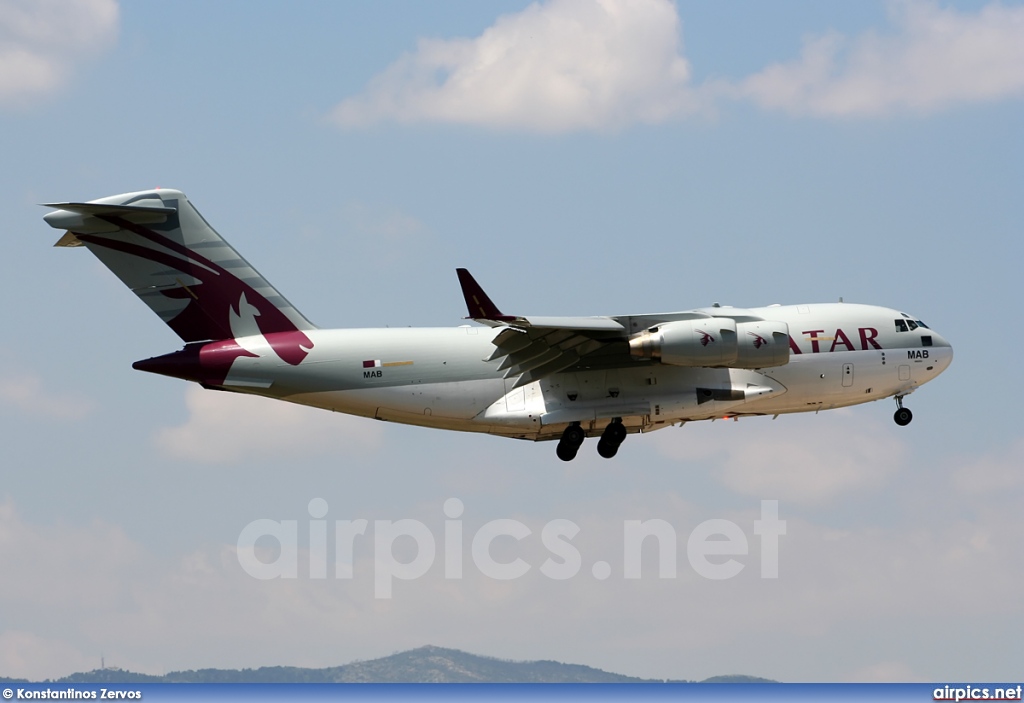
(716, 342)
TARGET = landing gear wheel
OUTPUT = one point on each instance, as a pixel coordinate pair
(607, 449)
(570, 442)
(573, 435)
(566, 452)
(903, 416)
(615, 432)
(611, 438)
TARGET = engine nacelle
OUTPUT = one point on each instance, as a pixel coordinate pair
(704, 342)
(761, 345)
(716, 342)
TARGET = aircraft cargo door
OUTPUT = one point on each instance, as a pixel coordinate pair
(847, 375)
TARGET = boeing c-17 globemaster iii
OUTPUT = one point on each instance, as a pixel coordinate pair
(520, 376)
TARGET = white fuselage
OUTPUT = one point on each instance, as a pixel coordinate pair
(841, 354)
(526, 377)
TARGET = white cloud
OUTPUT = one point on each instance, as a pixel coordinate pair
(993, 474)
(230, 427)
(26, 394)
(384, 237)
(807, 459)
(42, 40)
(556, 66)
(568, 65)
(32, 657)
(936, 58)
(75, 591)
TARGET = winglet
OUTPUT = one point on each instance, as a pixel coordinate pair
(479, 305)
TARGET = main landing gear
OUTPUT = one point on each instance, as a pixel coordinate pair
(903, 415)
(570, 442)
(611, 438)
(607, 446)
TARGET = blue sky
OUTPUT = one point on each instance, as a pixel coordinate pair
(579, 158)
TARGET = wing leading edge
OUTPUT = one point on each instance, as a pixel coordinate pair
(535, 347)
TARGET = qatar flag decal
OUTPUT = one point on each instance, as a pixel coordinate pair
(377, 363)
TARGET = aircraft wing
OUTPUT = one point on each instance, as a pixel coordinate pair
(533, 352)
(534, 347)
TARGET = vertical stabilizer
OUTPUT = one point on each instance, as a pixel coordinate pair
(159, 245)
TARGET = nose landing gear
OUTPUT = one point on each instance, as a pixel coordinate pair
(612, 437)
(903, 415)
(570, 442)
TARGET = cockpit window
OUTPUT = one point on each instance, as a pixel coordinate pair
(908, 325)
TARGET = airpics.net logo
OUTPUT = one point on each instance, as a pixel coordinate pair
(269, 549)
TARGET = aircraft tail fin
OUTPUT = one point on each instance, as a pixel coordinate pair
(159, 245)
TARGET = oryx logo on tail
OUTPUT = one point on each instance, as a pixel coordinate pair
(152, 241)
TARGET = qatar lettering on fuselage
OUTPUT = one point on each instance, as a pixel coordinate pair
(867, 337)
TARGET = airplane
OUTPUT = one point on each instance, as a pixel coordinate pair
(520, 376)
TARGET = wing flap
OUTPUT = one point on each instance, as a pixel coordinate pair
(535, 362)
(559, 363)
(536, 350)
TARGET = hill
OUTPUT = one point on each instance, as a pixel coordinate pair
(423, 665)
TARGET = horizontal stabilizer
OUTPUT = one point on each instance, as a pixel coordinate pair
(93, 218)
(103, 209)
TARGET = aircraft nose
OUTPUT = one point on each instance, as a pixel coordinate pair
(942, 350)
(939, 341)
